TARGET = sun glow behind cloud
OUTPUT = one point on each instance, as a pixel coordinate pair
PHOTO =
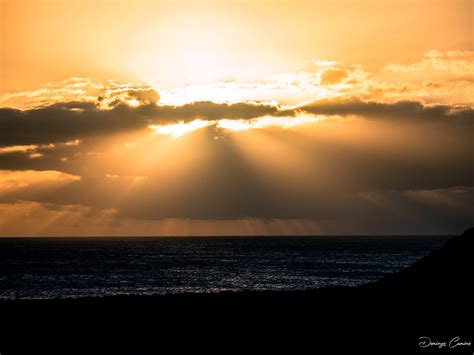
(234, 125)
(266, 121)
(181, 128)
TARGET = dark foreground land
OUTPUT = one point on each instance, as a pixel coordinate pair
(433, 298)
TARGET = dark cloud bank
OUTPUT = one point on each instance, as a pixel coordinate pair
(399, 184)
(77, 120)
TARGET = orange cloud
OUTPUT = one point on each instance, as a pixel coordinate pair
(62, 220)
(434, 61)
(14, 180)
(18, 148)
(106, 93)
(332, 76)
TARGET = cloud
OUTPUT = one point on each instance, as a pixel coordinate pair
(78, 120)
(55, 220)
(433, 211)
(332, 76)
(401, 110)
(429, 91)
(331, 177)
(47, 219)
(26, 180)
(441, 211)
(33, 151)
(438, 78)
(212, 111)
(108, 93)
(131, 96)
(325, 79)
(18, 148)
(316, 171)
(434, 62)
(62, 122)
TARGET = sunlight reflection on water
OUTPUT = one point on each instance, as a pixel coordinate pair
(52, 268)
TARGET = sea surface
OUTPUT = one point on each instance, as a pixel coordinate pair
(77, 267)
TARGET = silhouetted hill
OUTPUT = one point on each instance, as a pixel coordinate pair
(449, 269)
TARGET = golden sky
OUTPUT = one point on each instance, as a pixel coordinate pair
(236, 117)
(172, 43)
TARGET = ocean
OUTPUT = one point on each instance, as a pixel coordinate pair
(40, 268)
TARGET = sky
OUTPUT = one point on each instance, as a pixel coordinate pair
(236, 117)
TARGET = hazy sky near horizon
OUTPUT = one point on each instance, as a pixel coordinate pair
(236, 117)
